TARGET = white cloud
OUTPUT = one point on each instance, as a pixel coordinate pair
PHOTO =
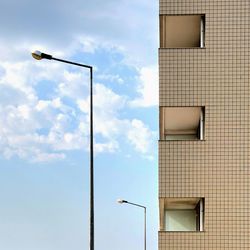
(112, 78)
(85, 23)
(107, 107)
(107, 123)
(45, 128)
(142, 138)
(83, 43)
(148, 88)
(62, 138)
(106, 101)
(23, 115)
(47, 157)
(111, 147)
(74, 84)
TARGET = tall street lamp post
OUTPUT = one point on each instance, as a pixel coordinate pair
(145, 217)
(39, 56)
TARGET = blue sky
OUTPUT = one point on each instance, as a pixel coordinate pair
(44, 129)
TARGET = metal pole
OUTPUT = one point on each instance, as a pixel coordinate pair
(145, 221)
(91, 164)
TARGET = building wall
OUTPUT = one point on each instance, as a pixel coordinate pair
(217, 168)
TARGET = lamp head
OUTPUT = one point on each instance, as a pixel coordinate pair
(38, 55)
(121, 201)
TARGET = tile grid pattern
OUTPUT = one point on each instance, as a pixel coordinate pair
(218, 168)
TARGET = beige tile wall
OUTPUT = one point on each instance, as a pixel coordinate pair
(218, 168)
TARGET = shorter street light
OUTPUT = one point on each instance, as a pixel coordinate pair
(145, 217)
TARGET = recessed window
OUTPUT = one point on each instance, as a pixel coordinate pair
(182, 214)
(182, 31)
(182, 123)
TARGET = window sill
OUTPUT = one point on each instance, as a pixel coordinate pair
(162, 231)
(162, 140)
(168, 48)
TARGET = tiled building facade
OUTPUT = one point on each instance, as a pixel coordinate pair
(204, 176)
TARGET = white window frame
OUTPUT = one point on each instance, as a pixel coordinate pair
(183, 137)
(163, 32)
(199, 220)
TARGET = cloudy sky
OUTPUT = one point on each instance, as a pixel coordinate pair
(44, 123)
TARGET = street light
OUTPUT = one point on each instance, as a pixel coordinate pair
(145, 217)
(39, 56)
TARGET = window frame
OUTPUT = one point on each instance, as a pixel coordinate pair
(200, 214)
(163, 32)
(200, 136)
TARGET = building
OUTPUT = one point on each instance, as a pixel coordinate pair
(204, 146)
